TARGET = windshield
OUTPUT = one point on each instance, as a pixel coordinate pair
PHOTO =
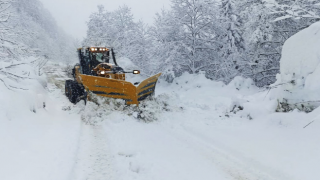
(101, 57)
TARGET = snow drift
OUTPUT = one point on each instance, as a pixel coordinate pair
(300, 67)
(32, 125)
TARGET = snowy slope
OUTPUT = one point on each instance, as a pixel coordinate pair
(36, 142)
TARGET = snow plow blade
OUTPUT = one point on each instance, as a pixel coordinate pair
(120, 89)
(147, 87)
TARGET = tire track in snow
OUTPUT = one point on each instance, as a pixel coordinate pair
(93, 161)
(239, 167)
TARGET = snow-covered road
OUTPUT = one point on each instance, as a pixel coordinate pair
(93, 160)
(195, 136)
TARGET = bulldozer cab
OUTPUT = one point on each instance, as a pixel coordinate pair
(91, 57)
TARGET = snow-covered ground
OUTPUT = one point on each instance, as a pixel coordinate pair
(36, 142)
(201, 130)
(197, 137)
(193, 129)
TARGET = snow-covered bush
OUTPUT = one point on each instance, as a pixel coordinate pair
(152, 108)
(21, 87)
(242, 83)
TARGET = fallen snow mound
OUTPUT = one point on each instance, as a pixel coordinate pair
(21, 88)
(300, 66)
(96, 111)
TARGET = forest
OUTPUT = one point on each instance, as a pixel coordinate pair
(221, 39)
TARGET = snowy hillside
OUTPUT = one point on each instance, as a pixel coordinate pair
(29, 134)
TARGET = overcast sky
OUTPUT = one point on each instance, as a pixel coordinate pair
(72, 15)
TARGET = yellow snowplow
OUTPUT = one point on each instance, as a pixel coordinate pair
(97, 75)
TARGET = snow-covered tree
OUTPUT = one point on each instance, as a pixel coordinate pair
(198, 36)
(138, 49)
(260, 60)
(112, 29)
(29, 36)
(34, 26)
(165, 37)
(274, 22)
(230, 16)
(118, 29)
(224, 38)
(297, 9)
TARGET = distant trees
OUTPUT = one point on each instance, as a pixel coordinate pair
(165, 37)
(117, 29)
(111, 28)
(231, 19)
(6, 42)
(195, 21)
(301, 9)
(224, 38)
(33, 26)
(29, 36)
(232, 42)
(274, 22)
(262, 54)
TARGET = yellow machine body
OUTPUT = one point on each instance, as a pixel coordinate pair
(114, 85)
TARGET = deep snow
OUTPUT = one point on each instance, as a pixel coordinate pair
(36, 142)
(300, 63)
(195, 136)
(195, 128)
(199, 131)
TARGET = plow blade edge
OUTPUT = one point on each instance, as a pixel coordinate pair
(147, 87)
(120, 89)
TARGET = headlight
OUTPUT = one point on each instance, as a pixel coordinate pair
(92, 49)
(102, 72)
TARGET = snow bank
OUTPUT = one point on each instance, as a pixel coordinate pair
(22, 89)
(188, 82)
(199, 91)
(37, 142)
(243, 84)
(300, 66)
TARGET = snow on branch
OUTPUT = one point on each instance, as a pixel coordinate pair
(295, 9)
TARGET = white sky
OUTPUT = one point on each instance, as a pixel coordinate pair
(72, 15)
